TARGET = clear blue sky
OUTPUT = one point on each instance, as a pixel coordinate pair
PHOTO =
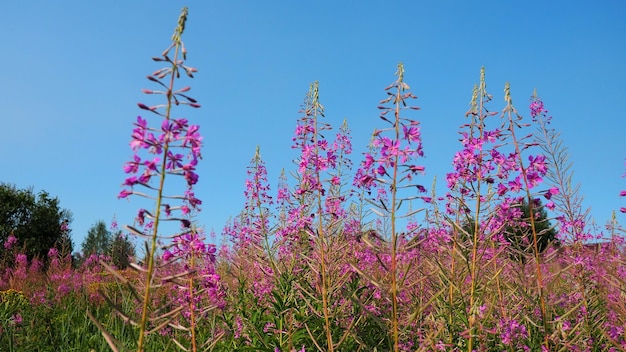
(73, 71)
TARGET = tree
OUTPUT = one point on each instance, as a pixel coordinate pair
(37, 221)
(101, 241)
(98, 240)
(521, 236)
(122, 249)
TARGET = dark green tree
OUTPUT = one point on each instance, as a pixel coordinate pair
(121, 250)
(36, 220)
(98, 240)
(101, 241)
(521, 236)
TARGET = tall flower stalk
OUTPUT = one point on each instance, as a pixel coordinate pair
(390, 168)
(312, 214)
(531, 176)
(315, 159)
(256, 216)
(487, 190)
(165, 149)
(467, 183)
(564, 197)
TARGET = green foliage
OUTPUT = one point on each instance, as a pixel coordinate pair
(101, 241)
(98, 240)
(264, 326)
(36, 220)
(121, 249)
(62, 325)
(521, 236)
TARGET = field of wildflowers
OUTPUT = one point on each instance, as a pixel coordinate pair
(345, 255)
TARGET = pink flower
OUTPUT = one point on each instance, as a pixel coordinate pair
(167, 255)
(515, 185)
(536, 108)
(502, 189)
(411, 134)
(17, 318)
(538, 163)
(124, 193)
(139, 135)
(551, 192)
(11, 240)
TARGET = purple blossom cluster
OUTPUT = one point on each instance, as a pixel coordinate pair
(250, 232)
(320, 167)
(334, 203)
(255, 219)
(188, 252)
(56, 281)
(394, 150)
(316, 155)
(10, 242)
(481, 160)
(484, 163)
(512, 331)
(187, 246)
(561, 196)
(172, 148)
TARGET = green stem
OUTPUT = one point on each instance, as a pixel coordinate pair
(320, 229)
(192, 317)
(533, 227)
(157, 213)
(394, 236)
(482, 94)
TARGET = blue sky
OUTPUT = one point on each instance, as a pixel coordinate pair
(73, 73)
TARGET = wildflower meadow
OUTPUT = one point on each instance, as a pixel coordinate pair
(353, 248)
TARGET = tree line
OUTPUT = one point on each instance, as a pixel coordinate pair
(38, 223)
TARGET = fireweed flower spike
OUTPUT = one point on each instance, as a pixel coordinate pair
(250, 234)
(309, 223)
(257, 212)
(389, 167)
(531, 175)
(167, 147)
(494, 182)
(307, 218)
(563, 195)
